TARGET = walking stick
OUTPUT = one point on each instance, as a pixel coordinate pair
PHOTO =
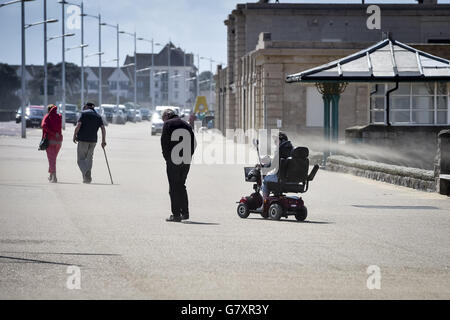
(108, 165)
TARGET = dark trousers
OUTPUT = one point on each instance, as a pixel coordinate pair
(177, 174)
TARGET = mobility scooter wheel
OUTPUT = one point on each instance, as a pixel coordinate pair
(301, 214)
(242, 210)
(275, 211)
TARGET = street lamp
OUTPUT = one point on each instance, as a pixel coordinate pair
(169, 54)
(211, 77)
(151, 95)
(184, 78)
(190, 79)
(94, 54)
(107, 61)
(135, 64)
(22, 9)
(63, 72)
(63, 76)
(78, 47)
(198, 75)
(118, 68)
(156, 45)
(82, 46)
(45, 48)
(45, 56)
(12, 2)
(61, 36)
(41, 22)
(99, 53)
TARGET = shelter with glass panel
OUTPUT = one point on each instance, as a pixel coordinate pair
(407, 87)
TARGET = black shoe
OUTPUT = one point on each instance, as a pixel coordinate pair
(87, 179)
(172, 218)
(185, 216)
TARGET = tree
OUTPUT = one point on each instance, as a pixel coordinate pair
(73, 80)
(73, 76)
(204, 79)
(36, 85)
(9, 84)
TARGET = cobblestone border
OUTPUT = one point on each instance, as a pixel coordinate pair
(403, 176)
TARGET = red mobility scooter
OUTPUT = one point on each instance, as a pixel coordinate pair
(292, 177)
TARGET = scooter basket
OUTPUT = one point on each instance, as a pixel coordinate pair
(251, 174)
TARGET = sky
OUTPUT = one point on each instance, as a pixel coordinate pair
(194, 25)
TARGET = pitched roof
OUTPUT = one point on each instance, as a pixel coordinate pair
(106, 72)
(161, 58)
(388, 60)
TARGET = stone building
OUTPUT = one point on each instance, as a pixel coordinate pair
(266, 42)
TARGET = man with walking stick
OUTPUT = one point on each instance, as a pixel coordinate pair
(85, 135)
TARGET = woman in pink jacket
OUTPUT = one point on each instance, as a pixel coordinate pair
(51, 128)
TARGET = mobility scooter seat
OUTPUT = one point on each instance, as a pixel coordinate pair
(292, 173)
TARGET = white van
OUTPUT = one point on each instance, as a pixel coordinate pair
(160, 109)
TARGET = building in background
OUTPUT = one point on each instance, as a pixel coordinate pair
(113, 80)
(180, 70)
(266, 42)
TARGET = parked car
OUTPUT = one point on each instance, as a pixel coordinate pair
(131, 111)
(108, 109)
(33, 116)
(101, 112)
(160, 109)
(145, 113)
(185, 114)
(138, 116)
(157, 123)
(71, 113)
(124, 111)
(131, 115)
(119, 117)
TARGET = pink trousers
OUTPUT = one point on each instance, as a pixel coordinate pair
(52, 153)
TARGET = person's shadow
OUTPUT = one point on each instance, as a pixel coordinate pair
(201, 223)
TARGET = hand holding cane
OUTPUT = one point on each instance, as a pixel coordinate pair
(106, 158)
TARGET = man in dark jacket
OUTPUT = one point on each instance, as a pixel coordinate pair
(178, 145)
(85, 134)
